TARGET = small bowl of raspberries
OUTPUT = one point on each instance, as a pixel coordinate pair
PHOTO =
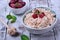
(17, 6)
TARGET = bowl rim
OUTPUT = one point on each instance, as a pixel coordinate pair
(38, 28)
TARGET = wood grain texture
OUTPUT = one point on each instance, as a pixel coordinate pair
(54, 5)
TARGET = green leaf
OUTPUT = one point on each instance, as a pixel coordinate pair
(8, 17)
(13, 19)
(24, 37)
(37, 11)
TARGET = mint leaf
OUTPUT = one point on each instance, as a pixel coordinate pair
(37, 11)
(24, 37)
(8, 17)
(12, 18)
(12, 21)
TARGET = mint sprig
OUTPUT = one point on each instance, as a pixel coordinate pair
(37, 11)
(12, 18)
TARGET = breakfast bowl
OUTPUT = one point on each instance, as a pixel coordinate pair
(39, 20)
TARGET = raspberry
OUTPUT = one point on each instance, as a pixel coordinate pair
(41, 15)
(12, 5)
(35, 16)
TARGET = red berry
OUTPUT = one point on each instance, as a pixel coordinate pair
(35, 16)
(41, 15)
(12, 5)
(23, 4)
(14, 1)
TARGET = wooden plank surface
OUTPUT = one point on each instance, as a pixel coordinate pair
(46, 36)
(53, 4)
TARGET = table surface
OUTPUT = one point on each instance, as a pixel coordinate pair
(51, 35)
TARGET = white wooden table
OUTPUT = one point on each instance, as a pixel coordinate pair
(51, 35)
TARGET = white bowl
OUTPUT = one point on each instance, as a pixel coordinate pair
(19, 10)
(42, 30)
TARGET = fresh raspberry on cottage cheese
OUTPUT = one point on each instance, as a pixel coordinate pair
(39, 18)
